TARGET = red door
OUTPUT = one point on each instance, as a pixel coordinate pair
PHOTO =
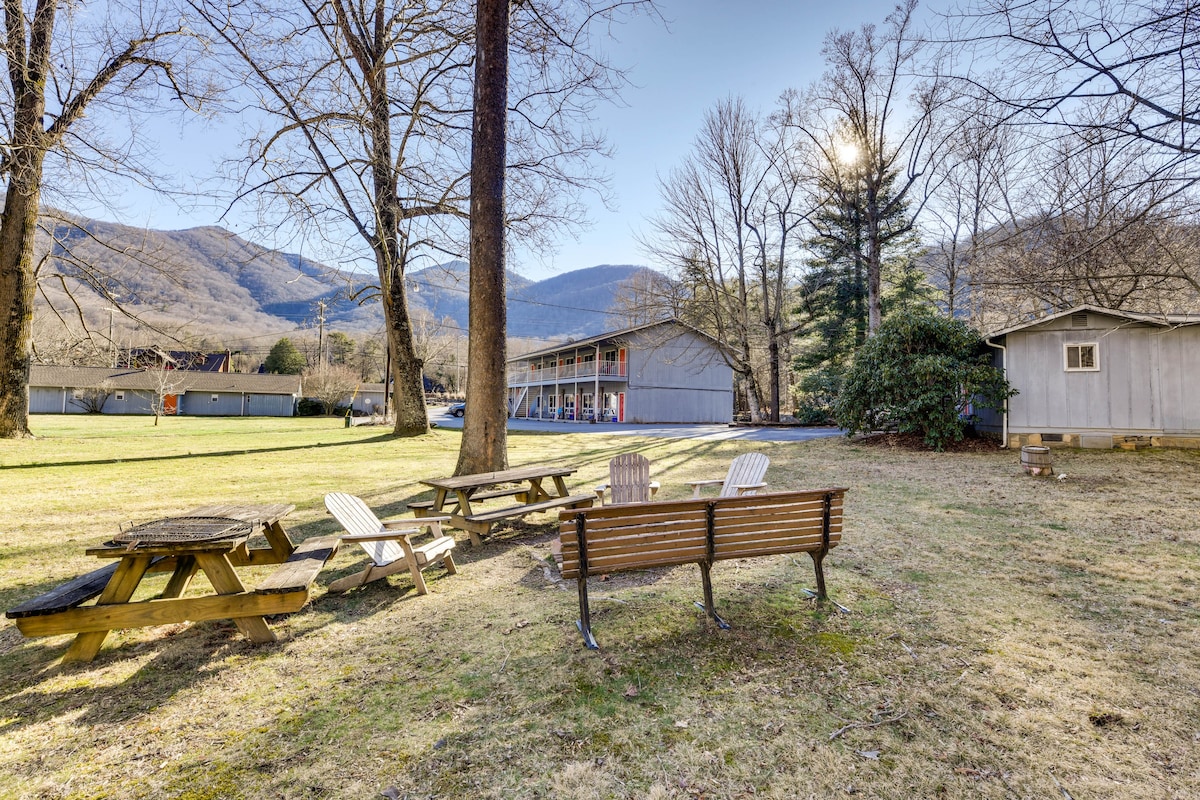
(170, 404)
(620, 406)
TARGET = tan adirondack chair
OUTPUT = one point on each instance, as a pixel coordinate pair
(746, 476)
(389, 543)
(628, 480)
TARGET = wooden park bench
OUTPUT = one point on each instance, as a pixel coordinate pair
(619, 538)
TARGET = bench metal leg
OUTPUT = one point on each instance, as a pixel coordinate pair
(707, 605)
(820, 595)
(584, 623)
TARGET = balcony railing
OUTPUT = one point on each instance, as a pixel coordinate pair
(567, 372)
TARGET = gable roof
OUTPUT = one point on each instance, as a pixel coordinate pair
(1158, 320)
(593, 340)
(44, 375)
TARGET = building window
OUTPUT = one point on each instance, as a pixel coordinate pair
(120, 395)
(1081, 357)
(216, 397)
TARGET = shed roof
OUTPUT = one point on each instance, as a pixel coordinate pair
(45, 375)
(593, 340)
(1159, 320)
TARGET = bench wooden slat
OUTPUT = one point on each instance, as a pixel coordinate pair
(573, 501)
(302, 567)
(452, 500)
(622, 562)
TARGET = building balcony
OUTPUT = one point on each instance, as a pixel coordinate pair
(525, 375)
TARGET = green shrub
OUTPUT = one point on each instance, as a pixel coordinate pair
(817, 394)
(918, 373)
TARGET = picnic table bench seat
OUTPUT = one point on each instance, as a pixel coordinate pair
(73, 593)
(508, 512)
(301, 568)
(633, 536)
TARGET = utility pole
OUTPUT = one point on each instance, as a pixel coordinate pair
(111, 344)
(321, 334)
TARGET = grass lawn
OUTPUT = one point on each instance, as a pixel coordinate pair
(1008, 637)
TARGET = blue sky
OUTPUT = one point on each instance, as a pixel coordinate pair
(709, 49)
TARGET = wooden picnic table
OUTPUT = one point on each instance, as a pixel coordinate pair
(213, 539)
(454, 496)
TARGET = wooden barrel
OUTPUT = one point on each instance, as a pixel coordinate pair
(1035, 460)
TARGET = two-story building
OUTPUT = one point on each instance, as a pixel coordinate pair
(654, 373)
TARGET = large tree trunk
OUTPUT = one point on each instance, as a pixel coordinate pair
(484, 445)
(17, 282)
(412, 418)
(18, 225)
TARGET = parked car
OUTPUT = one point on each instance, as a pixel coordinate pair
(457, 409)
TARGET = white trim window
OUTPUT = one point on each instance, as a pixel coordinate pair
(1081, 357)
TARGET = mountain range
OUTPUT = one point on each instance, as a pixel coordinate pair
(221, 288)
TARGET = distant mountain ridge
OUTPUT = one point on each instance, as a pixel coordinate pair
(220, 286)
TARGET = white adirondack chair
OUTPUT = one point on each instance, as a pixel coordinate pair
(389, 543)
(746, 476)
(628, 480)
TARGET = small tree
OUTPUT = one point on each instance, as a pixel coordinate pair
(330, 385)
(164, 393)
(93, 398)
(920, 373)
(285, 359)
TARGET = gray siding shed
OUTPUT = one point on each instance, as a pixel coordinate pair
(1145, 383)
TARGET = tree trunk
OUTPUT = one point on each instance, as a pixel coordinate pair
(484, 445)
(773, 368)
(874, 262)
(18, 225)
(412, 418)
(17, 282)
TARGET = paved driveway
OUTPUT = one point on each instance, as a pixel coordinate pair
(708, 432)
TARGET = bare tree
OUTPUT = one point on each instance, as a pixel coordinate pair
(92, 399)
(728, 232)
(330, 384)
(114, 58)
(165, 384)
(366, 120)
(970, 206)
(1139, 58)
(1094, 231)
(360, 105)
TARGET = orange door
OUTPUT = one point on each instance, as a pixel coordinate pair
(170, 404)
(620, 406)
(621, 355)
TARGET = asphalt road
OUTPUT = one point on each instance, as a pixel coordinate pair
(708, 432)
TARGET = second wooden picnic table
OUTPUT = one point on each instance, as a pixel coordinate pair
(454, 496)
(211, 539)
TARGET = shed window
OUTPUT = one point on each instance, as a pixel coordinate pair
(1081, 358)
(119, 395)
(216, 397)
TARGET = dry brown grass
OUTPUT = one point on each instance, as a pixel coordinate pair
(1009, 637)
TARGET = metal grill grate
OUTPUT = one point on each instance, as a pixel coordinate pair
(174, 530)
